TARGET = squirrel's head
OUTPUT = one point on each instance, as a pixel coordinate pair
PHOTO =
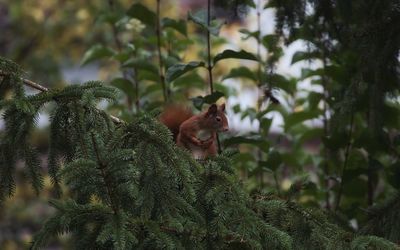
(216, 118)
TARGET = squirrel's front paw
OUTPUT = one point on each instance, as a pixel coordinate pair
(207, 143)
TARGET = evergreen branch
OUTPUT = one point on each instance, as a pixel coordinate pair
(29, 83)
(102, 166)
(41, 88)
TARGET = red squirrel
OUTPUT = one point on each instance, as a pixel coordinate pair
(197, 133)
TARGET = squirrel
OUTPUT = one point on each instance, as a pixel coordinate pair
(197, 133)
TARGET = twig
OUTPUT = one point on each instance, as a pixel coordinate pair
(346, 157)
(44, 89)
(160, 61)
(209, 66)
(326, 129)
(260, 95)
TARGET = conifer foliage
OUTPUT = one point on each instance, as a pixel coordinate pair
(127, 186)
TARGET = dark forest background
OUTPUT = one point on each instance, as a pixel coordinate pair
(311, 160)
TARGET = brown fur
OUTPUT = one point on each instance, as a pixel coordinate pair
(191, 130)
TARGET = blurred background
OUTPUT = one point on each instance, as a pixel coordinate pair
(296, 115)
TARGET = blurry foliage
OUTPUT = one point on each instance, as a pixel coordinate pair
(338, 150)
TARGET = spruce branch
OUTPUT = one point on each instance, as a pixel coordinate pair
(41, 88)
(102, 166)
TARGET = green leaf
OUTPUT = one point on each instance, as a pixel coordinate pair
(213, 98)
(252, 140)
(249, 34)
(302, 55)
(299, 117)
(199, 101)
(394, 175)
(357, 160)
(375, 165)
(305, 73)
(96, 52)
(249, 112)
(227, 54)
(179, 26)
(141, 64)
(242, 72)
(190, 80)
(265, 125)
(311, 134)
(250, 3)
(314, 98)
(179, 69)
(109, 17)
(200, 18)
(273, 161)
(155, 87)
(125, 85)
(281, 82)
(355, 188)
(270, 4)
(270, 41)
(335, 141)
(141, 12)
(396, 140)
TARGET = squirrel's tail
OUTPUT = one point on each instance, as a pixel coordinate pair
(173, 116)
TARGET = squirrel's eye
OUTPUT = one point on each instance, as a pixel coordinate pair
(218, 118)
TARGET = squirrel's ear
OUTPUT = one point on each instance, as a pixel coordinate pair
(212, 109)
(222, 107)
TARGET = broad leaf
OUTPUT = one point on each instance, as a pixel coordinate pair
(274, 160)
(141, 12)
(279, 81)
(265, 125)
(310, 134)
(314, 99)
(228, 54)
(299, 117)
(199, 101)
(125, 85)
(270, 41)
(96, 52)
(179, 69)
(249, 112)
(305, 73)
(234, 140)
(213, 98)
(302, 55)
(254, 34)
(141, 64)
(179, 26)
(394, 175)
(190, 80)
(242, 72)
(200, 18)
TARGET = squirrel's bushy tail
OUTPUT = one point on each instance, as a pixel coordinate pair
(173, 116)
